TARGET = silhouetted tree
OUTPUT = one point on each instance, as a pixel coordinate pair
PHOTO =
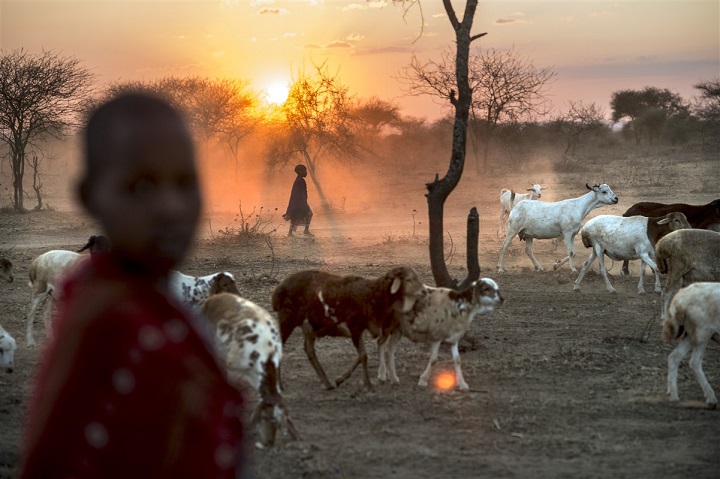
(41, 96)
(315, 122)
(579, 119)
(440, 189)
(647, 109)
(506, 87)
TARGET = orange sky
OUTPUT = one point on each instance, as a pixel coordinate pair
(596, 47)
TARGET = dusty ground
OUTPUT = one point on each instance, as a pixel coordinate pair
(562, 384)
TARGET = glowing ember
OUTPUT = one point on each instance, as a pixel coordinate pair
(445, 381)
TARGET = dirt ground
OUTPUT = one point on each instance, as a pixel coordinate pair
(563, 384)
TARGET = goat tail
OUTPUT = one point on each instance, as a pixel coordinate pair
(674, 325)
(586, 239)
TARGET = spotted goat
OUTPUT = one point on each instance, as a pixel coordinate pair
(439, 315)
(248, 341)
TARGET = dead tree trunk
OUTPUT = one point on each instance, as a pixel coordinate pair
(440, 189)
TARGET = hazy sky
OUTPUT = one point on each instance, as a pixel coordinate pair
(596, 47)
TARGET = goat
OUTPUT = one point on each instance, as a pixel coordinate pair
(624, 238)
(687, 256)
(7, 350)
(699, 216)
(248, 339)
(694, 316)
(508, 200)
(439, 315)
(537, 219)
(6, 273)
(193, 290)
(47, 271)
(324, 304)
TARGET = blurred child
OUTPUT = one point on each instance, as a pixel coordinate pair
(130, 387)
(298, 210)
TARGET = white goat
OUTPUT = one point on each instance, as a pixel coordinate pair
(626, 238)
(694, 316)
(7, 350)
(248, 339)
(439, 315)
(508, 200)
(687, 256)
(47, 271)
(192, 290)
(537, 219)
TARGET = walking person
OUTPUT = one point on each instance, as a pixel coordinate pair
(298, 210)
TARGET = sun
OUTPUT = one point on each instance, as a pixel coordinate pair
(276, 93)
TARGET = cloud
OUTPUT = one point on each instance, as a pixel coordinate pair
(257, 3)
(338, 44)
(354, 37)
(365, 6)
(289, 35)
(219, 53)
(272, 11)
(507, 21)
(311, 46)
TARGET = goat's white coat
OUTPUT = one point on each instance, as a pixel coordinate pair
(697, 309)
(546, 220)
(508, 202)
(247, 337)
(192, 290)
(46, 273)
(620, 238)
(7, 350)
(437, 318)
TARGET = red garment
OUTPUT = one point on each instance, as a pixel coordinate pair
(129, 388)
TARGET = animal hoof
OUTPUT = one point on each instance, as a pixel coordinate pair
(712, 405)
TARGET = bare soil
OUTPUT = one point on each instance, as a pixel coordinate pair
(563, 384)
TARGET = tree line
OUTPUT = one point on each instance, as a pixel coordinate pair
(46, 96)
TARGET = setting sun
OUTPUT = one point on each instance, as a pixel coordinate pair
(277, 93)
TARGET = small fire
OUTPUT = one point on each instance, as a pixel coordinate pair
(445, 381)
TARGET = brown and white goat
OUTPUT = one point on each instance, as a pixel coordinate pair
(694, 318)
(699, 216)
(626, 238)
(248, 340)
(324, 304)
(439, 315)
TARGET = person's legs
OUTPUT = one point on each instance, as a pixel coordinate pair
(308, 219)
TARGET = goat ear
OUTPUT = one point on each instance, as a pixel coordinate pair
(664, 221)
(588, 187)
(529, 189)
(395, 286)
(543, 187)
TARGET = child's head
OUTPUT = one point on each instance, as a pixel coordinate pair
(140, 181)
(301, 170)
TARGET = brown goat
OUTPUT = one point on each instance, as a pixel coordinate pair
(325, 304)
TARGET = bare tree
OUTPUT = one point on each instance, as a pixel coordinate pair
(316, 121)
(440, 189)
(222, 109)
(579, 119)
(41, 96)
(506, 87)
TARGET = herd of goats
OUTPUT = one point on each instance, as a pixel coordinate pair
(680, 241)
